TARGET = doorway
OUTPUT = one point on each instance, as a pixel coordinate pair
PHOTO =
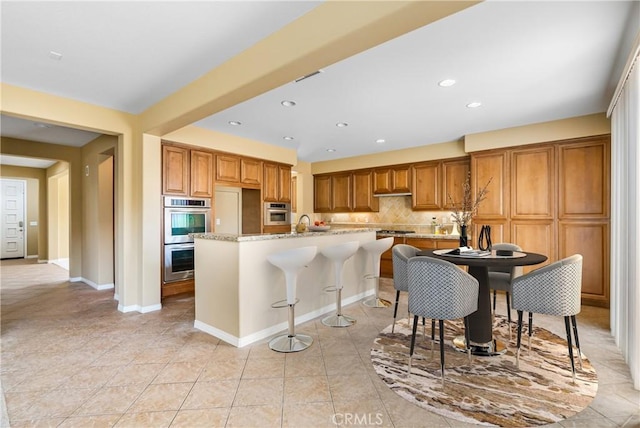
(12, 234)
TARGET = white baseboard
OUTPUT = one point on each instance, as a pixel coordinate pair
(63, 263)
(116, 297)
(239, 342)
(93, 284)
(138, 308)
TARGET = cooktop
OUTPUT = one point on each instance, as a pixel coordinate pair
(396, 232)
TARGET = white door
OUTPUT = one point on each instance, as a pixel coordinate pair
(228, 208)
(12, 224)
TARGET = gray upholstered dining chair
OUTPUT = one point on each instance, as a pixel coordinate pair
(501, 278)
(553, 290)
(400, 255)
(440, 290)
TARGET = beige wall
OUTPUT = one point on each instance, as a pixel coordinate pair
(97, 210)
(36, 207)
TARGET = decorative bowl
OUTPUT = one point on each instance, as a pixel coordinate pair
(319, 228)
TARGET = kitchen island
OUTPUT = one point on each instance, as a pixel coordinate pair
(235, 285)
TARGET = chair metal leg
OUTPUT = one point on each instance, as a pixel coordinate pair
(509, 314)
(424, 330)
(567, 325)
(494, 300)
(466, 338)
(575, 334)
(441, 328)
(519, 339)
(413, 342)
(433, 334)
(395, 311)
(530, 329)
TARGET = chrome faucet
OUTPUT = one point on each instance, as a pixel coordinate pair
(301, 227)
(303, 216)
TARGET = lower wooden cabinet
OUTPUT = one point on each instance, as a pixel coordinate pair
(178, 287)
(386, 260)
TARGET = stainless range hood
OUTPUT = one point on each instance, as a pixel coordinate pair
(384, 195)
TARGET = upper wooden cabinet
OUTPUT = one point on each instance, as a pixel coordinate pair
(227, 169)
(533, 183)
(494, 167)
(187, 172)
(393, 179)
(201, 174)
(426, 186)
(276, 183)
(175, 170)
(363, 199)
(434, 181)
(454, 174)
(250, 172)
(322, 193)
(584, 179)
(344, 192)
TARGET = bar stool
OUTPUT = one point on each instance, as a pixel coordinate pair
(339, 255)
(291, 262)
(375, 250)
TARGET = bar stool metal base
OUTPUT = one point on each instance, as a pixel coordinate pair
(286, 343)
(376, 302)
(338, 321)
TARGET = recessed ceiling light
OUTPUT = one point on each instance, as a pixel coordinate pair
(474, 104)
(55, 55)
(380, 140)
(288, 103)
(288, 138)
(331, 150)
(446, 83)
(342, 124)
(235, 123)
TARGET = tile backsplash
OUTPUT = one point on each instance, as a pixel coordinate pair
(395, 213)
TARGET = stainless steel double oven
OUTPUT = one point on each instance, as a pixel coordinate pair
(183, 216)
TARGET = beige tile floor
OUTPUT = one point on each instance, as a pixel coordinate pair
(70, 359)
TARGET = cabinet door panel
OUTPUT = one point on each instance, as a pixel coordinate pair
(341, 192)
(201, 174)
(584, 180)
(322, 193)
(401, 179)
(251, 172)
(284, 183)
(532, 180)
(228, 169)
(491, 166)
(426, 186)
(591, 240)
(270, 182)
(535, 237)
(454, 174)
(363, 200)
(382, 181)
(422, 243)
(175, 170)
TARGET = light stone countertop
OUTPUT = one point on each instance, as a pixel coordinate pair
(272, 236)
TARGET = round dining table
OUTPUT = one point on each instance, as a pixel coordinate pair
(480, 322)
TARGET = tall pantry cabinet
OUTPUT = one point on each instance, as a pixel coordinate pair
(553, 199)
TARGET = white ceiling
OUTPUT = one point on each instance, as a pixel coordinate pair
(527, 62)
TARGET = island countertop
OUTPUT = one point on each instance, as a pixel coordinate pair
(272, 236)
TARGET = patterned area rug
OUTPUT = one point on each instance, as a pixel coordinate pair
(492, 392)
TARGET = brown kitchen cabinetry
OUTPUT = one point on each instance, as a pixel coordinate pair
(363, 199)
(276, 183)
(392, 180)
(344, 192)
(386, 259)
(227, 169)
(201, 184)
(294, 194)
(434, 181)
(426, 186)
(187, 172)
(250, 173)
(553, 199)
(454, 175)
